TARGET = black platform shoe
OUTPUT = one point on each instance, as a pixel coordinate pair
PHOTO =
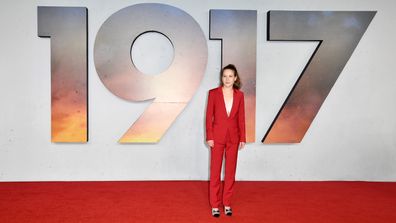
(215, 212)
(228, 211)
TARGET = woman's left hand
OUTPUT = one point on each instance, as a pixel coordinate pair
(241, 145)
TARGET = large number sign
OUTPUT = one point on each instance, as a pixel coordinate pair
(173, 88)
(237, 30)
(67, 28)
(337, 34)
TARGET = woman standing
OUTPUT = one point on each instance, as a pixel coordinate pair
(225, 132)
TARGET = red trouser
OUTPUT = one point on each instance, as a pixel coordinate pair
(231, 154)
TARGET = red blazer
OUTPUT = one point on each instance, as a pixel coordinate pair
(217, 121)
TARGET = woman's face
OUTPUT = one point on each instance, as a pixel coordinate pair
(228, 78)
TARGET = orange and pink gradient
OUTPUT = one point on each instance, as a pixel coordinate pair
(173, 88)
(237, 29)
(67, 28)
(338, 34)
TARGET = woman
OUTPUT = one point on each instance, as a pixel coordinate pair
(225, 132)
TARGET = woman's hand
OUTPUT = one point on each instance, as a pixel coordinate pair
(241, 145)
(210, 143)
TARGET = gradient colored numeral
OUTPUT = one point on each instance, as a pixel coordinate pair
(173, 88)
(337, 34)
(237, 30)
(67, 28)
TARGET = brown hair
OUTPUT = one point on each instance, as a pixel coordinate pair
(237, 83)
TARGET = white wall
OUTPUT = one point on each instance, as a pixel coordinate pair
(353, 137)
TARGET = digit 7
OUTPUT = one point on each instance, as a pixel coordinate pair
(337, 34)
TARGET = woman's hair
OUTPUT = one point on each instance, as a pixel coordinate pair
(237, 83)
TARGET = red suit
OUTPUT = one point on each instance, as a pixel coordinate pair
(227, 132)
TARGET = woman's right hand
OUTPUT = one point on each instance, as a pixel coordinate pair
(210, 143)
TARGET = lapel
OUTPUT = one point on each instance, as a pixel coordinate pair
(234, 102)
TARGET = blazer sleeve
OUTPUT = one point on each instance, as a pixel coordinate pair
(209, 117)
(241, 119)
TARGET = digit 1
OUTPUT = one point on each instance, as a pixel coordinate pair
(337, 34)
(173, 88)
(237, 30)
(67, 28)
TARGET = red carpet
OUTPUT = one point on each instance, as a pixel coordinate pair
(187, 201)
